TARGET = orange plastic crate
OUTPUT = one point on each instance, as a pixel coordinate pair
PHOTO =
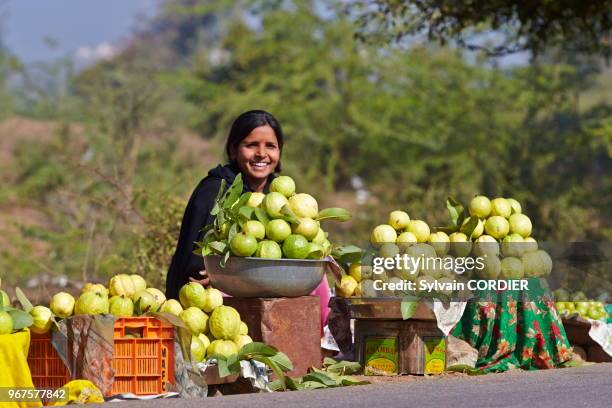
(47, 369)
(143, 364)
(143, 361)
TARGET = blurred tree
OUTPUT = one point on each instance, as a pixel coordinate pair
(414, 124)
(8, 65)
(410, 125)
(577, 26)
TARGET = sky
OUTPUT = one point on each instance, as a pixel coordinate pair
(85, 29)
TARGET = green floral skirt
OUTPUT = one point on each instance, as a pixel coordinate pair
(514, 329)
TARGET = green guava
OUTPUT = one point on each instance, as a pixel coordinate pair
(501, 206)
(121, 306)
(278, 230)
(497, 227)
(268, 249)
(121, 284)
(42, 319)
(383, 234)
(398, 219)
(296, 247)
(307, 227)
(255, 229)
(512, 268)
(284, 185)
(6, 323)
(480, 207)
(243, 244)
(304, 206)
(520, 224)
(92, 303)
(195, 320)
(171, 306)
(225, 322)
(420, 229)
(192, 294)
(214, 299)
(273, 204)
(62, 304)
(440, 242)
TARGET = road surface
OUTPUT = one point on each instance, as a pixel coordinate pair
(589, 386)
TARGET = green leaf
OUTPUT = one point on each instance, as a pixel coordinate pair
(408, 308)
(243, 200)
(337, 214)
(222, 365)
(344, 367)
(225, 258)
(256, 349)
(312, 385)
(315, 253)
(455, 210)
(348, 381)
(470, 226)
(447, 230)
(278, 372)
(262, 216)
(347, 254)
(327, 361)
(21, 319)
(292, 383)
(220, 194)
(23, 299)
(219, 247)
(289, 215)
(464, 368)
(233, 364)
(276, 385)
(234, 193)
(232, 231)
(320, 378)
(246, 213)
(220, 220)
(282, 360)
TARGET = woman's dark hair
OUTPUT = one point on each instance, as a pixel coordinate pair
(244, 125)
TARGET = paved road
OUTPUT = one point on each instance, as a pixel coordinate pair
(589, 386)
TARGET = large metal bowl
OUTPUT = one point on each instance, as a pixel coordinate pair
(259, 277)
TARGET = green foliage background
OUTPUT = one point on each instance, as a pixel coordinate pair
(128, 139)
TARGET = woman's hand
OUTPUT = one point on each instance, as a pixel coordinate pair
(204, 281)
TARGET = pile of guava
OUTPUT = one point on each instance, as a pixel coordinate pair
(496, 232)
(283, 223)
(579, 304)
(216, 329)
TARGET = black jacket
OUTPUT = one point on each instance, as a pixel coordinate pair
(185, 263)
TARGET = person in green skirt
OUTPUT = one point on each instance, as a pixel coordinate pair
(515, 329)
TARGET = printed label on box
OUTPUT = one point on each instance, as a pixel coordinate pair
(435, 355)
(380, 356)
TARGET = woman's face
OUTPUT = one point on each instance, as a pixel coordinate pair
(258, 154)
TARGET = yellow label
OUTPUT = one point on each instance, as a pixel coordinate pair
(380, 356)
(435, 355)
(380, 366)
(435, 367)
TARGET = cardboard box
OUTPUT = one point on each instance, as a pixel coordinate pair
(292, 325)
(391, 347)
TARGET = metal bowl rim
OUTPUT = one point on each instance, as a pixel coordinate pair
(254, 258)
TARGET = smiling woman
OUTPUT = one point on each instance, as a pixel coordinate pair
(253, 149)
